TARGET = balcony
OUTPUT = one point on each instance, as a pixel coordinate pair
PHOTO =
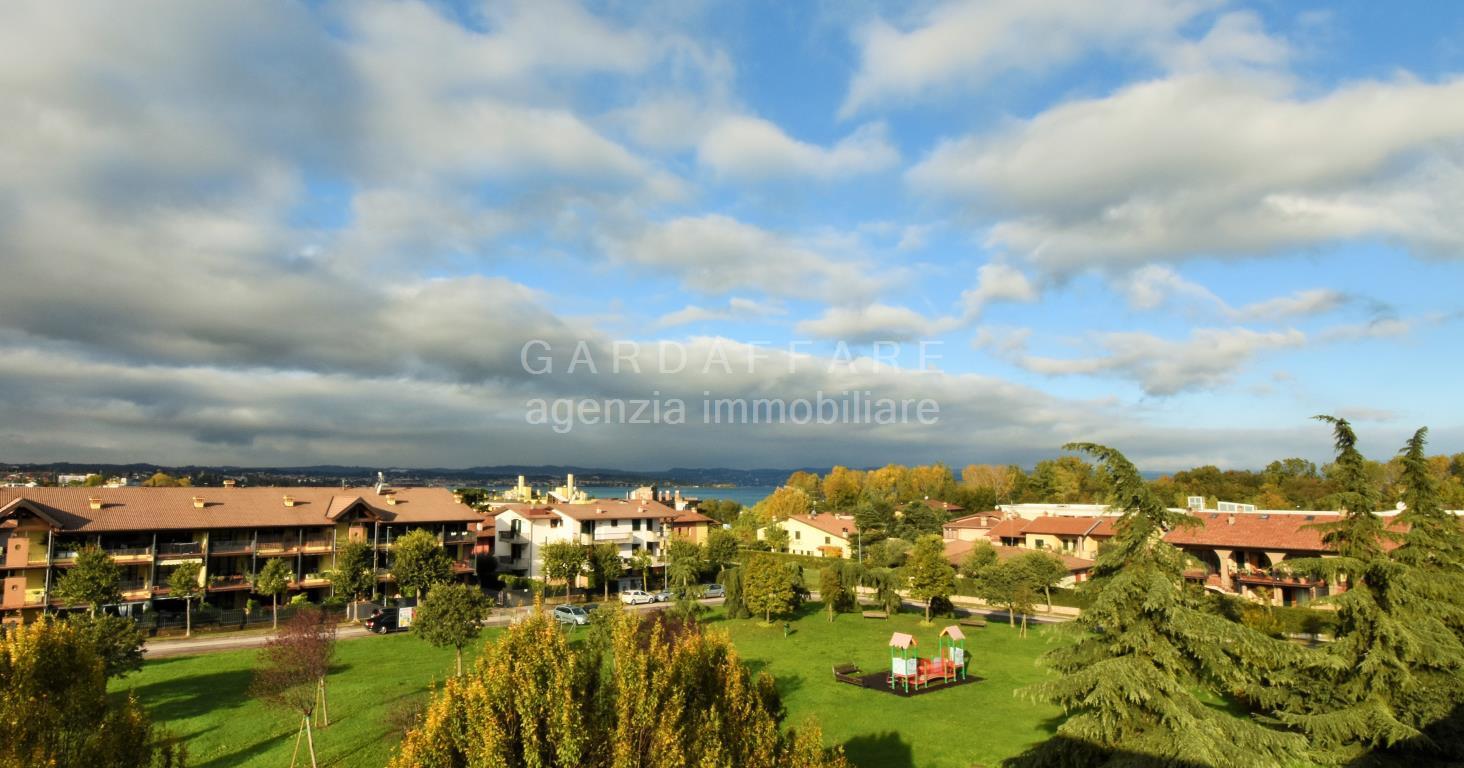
(384, 574)
(464, 566)
(277, 546)
(508, 559)
(129, 554)
(62, 556)
(222, 547)
(1257, 577)
(320, 544)
(459, 537)
(180, 549)
(135, 589)
(314, 579)
(228, 582)
(613, 538)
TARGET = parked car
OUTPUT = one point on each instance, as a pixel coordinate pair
(385, 620)
(714, 590)
(663, 595)
(636, 597)
(571, 614)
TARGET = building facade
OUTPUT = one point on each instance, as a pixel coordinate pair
(522, 530)
(232, 532)
(817, 535)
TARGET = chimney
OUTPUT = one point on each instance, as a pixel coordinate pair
(1230, 520)
(457, 498)
(230, 483)
(289, 500)
(198, 502)
(94, 502)
(391, 497)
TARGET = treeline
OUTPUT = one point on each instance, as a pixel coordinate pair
(1284, 484)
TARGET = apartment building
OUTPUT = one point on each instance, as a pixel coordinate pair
(231, 531)
(522, 530)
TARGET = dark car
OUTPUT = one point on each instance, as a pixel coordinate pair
(384, 620)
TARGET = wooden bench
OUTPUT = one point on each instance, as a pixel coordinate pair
(848, 673)
(973, 621)
(876, 615)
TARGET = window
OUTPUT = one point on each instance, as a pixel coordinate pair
(614, 523)
(555, 522)
(826, 539)
(1041, 543)
(635, 524)
(798, 535)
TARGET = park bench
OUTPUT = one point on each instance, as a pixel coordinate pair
(848, 673)
(876, 615)
(973, 621)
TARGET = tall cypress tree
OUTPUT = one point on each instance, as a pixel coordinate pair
(1130, 683)
(1394, 667)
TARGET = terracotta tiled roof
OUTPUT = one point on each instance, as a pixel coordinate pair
(610, 509)
(956, 551)
(944, 506)
(1008, 528)
(149, 509)
(1065, 526)
(1251, 530)
(693, 517)
(833, 525)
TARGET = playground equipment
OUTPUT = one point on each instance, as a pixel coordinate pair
(904, 667)
(908, 669)
(952, 652)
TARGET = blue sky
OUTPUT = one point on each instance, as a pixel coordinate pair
(276, 232)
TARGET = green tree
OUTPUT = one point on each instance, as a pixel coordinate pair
(420, 563)
(183, 584)
(777, 537)
(563, 560)
(732, 603)
(782, 504)
(684, 562)
(1146, 646)
(451, 617)
(642, 562)
(94, 580)
(353, 576)
(930, 575)
(1009, 584)
(274, 580)
(116, 640)
(767, 587)
(606, 565)
(887, 583)
(836, 587)
(1394, 666)
(666, 696)
(981, 557)
(54, 703)
(1044, 570)
(163, 480)
(721, 548)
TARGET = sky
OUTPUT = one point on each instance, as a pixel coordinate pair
(455, 234)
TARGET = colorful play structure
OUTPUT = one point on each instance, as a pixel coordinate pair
(948, 665)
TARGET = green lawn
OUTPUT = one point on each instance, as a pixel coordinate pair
(204, 700)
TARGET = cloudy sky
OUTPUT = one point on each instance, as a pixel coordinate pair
(282, 232)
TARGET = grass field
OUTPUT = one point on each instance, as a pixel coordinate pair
(204, 699)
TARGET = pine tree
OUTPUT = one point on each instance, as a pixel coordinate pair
(1395, 666)
(1129, 683)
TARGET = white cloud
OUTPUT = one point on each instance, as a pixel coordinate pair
(752, 148)
(875, 322)
(1206, 359)
(966, 43)
(997, 282)
(714, 253)
(1156, 285)
(1201, 164)
(737, 309)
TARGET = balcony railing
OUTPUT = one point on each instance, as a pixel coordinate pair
(277, 545)
(236, 546)
(228, 580)
(173, 548)
(508, 559)
(320, 543)
(64, 555)
(128, 551)
(315, 576)
(464, 566)
(35, 596)
(458, 537)
(133, 585)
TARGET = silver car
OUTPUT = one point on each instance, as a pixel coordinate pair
(571, 614)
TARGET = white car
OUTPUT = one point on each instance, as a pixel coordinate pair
(636, 597)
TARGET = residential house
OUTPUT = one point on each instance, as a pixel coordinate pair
(957, 551)
(818, 535)
(522, 530)
(971, 527)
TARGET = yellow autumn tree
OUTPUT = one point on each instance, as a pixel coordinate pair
(662, 695)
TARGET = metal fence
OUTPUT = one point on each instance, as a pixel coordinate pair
(159, 622)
